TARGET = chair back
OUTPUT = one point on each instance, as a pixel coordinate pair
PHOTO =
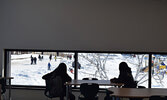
(54, 87)
(89, 90)
(141, 87)
(3, 89)
(89, 79)
(158, 97)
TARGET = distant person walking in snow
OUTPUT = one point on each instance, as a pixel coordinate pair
(49, 66)
(50, 56)
(71, 70)
(69, 56)
(78, 65)
(35, 60)
(55, 58)
(39, 57)
(32, 60)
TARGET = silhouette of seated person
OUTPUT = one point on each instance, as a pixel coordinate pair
(61, 71)
(125, 76)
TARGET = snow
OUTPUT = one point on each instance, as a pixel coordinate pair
(26, 74)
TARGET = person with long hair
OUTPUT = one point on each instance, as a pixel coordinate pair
(61, 71)
(125, 76)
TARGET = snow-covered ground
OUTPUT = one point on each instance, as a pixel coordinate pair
(26, 74)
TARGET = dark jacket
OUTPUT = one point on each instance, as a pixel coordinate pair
(125, 76)
(61, 70)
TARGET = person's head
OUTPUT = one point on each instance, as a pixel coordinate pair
(62, 68)
(123, 66)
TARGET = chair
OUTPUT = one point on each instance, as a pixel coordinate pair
(54, 88)
(89, 91)
(141, 87)
(81, 96)
(108, 97)
(3, 88)
(89, 79)
(158, 98)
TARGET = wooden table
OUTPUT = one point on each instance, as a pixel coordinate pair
(99, 82)
(137, 92)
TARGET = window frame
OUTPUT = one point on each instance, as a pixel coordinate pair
(7, 70)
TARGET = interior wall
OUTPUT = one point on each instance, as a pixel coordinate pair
(19, 94)
(110, 25)
(39, 95)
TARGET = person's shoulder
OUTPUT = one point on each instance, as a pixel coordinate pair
(69, 78)
(46, 76)
(114, 80)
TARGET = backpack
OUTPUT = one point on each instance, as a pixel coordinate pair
(54, 87)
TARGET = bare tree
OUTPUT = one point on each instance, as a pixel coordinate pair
(139, 66)
(98, 60)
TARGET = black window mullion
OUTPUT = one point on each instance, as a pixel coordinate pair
(76, 67)
(150, 70)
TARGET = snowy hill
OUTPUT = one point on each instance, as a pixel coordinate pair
(26, 74)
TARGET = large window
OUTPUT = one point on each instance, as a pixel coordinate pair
(28, 67)
(105, 66)
(159, 71)
(148, 69)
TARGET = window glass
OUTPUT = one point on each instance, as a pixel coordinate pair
(159, 71)
(105, 66)
(102, 66)
(28, 67)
